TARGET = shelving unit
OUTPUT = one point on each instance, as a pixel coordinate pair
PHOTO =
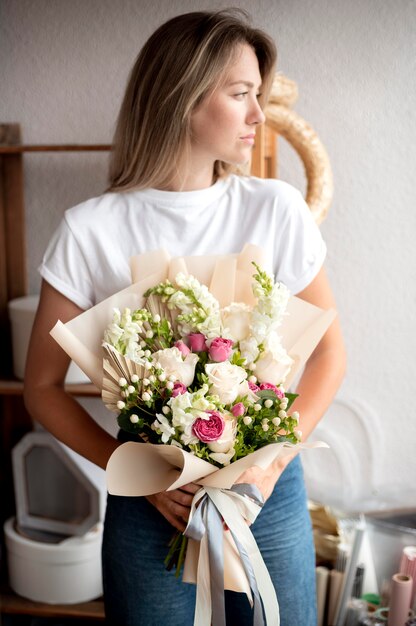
(14, 419)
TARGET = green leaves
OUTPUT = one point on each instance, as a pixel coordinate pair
(237, 359)
(291, 397)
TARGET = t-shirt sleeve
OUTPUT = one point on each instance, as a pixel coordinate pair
(301, 250)
(65, 267)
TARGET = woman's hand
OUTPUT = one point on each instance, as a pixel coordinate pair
(266, 479)
(175, 505)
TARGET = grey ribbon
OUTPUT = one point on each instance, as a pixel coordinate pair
(207, 519)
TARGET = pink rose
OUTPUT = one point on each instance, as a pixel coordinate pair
(220, 349)
(182, 347)
(178, 389)
(197, 342)
(279, 393)
(238, 409)
(253, 387)
(210, 429)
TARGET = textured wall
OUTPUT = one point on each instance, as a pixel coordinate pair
(63, 69)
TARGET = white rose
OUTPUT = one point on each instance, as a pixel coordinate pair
(273, 366)
(224, 380)
(236, 321)
(173, 364)
(244, 390)
(226, 442)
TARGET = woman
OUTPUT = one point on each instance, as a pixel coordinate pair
(188, 121)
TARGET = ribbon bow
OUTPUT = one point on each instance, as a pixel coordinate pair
(206, 526)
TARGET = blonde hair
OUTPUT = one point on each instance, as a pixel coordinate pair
(180, 63)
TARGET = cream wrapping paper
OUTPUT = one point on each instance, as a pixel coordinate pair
(140, 471)
(229, 280)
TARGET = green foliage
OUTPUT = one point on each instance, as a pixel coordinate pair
(237, 359)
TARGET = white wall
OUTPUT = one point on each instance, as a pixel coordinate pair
(64, 65)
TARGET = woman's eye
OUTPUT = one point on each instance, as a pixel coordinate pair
(241, 95)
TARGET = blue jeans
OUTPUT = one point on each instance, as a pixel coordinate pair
(138, 591)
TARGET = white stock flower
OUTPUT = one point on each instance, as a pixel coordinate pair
(261, 325)
(201, 292)
(249, 350)
(179, 405)
(182, 417)
(236, 321)
(224, 380)
(226, 442)
(182, 302)
(270, 308)
(196, 296)
(162, 425)
(123, 334)
(272, 304)
(211, 327)
(173, 364)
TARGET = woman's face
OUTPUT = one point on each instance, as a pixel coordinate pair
(224, 124)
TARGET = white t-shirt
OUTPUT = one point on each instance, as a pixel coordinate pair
(87, 259)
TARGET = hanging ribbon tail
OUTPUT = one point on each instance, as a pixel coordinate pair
(258, 607)
(206, 526)
(215, 533)
(210, 508)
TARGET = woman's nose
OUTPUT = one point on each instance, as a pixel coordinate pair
(256, 115)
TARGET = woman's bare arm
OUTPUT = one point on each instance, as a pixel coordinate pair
(45, 397)
(325, 368)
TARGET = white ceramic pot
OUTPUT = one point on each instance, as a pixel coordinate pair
(68, 572)
(22, 313)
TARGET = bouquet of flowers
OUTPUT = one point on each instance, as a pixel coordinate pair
(207, 380)
(201, 371)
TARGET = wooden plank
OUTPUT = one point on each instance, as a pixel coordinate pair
(3, 256)
(257, 156)
(15, 230)
(270, 153)
(12, 604)
(55, 148)
(8, 133)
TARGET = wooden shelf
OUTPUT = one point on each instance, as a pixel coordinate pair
(12, 604)
(20, 149)
(15, 388)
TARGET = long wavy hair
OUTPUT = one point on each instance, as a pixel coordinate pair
(182, 62)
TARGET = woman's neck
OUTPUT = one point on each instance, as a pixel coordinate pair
(191, 178)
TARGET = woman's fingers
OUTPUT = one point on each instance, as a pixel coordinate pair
(170, 510)
(191, 488)
(175, 506)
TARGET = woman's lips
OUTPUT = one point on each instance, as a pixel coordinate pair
(249, 139)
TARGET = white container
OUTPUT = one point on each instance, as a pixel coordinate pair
(389, 532)
(22, 313)
(53, 493)
(65, 573)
